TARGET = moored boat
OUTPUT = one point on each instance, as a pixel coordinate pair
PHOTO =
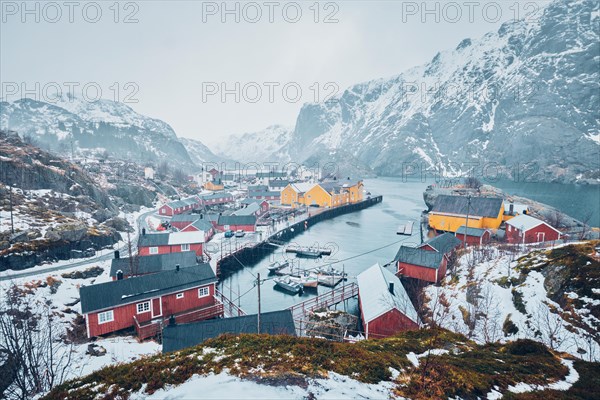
(288, 285)
(308, 280)
(277, 265)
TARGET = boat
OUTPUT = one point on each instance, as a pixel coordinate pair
(330, 271)
(308, 280)
(329, 280)
(308, 253)
(288, 285)
(277, 265)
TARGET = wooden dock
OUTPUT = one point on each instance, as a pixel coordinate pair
(325, 300)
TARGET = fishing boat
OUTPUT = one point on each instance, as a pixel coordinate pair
(329, 270)
(329, 280)
(288, 285)
(308, 253)
(308, 280)
(277, 265)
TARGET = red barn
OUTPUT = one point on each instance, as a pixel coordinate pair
(474, 236)
(147, 302)
(385, 307)
(236, 222)
(421, 264)
(527, 229)
(170, 242)
(216, 198)
(179, 206)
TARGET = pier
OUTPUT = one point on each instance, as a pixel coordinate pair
(325, 300)
(250, 253)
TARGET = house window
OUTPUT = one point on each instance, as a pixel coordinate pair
(153, 250)
(203, 292)
(106, 316)
(185, 247)
(179, 295)
(143, 307)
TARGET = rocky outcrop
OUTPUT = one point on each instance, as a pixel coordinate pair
(134, 194)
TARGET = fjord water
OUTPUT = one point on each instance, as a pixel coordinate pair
(368, 230)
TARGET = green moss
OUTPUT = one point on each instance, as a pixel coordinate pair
(517, 298)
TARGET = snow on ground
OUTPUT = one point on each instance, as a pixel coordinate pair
(495, 303)
(225, 385)
(563, 385)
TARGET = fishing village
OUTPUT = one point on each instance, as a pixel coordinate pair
(182, 283)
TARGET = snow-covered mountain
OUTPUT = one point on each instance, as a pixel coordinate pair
(200, 153)
(102, 125)
(523, 99)
(267, 145)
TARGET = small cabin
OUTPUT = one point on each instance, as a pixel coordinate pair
(170, 242)
(419, 263)
(385, 307)
(527, 229)
(473, 236)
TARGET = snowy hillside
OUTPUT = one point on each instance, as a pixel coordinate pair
(99, 125)
(524, 95)
(200, 153)
(267, 145)
(503, 294)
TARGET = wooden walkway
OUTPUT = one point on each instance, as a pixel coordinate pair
(325, 300)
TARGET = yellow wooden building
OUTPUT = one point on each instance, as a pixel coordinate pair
(214, 185)
(324, 194)
(450, 213)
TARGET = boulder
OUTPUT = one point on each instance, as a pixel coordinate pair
(119, 224)
(72, 232)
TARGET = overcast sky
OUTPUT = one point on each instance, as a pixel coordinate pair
(179, 53)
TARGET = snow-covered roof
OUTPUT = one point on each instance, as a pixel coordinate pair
(525, 222)
(186, 237)
(375, 296)
(302, 187)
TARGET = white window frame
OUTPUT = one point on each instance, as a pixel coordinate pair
(185, 247)
(153, 250)
(106, 314)
(202, 290)
(143, 307)
(180, 295)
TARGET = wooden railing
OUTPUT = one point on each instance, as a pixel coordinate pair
(324, 300)
(152, 328)
(230, 308)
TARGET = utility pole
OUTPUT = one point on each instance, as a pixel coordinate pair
(12, 222)
(467, 224)
(258, 318)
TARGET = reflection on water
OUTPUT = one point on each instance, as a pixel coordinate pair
(377, 228)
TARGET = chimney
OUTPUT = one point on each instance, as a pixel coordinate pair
(511, 209)
(177, 267)
(119, 275)
(391, 287)
(117, 255)
(143, 231)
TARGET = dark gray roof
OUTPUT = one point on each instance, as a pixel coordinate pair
(185, 217)
(202, 225)
(480, 206)
(217, 195)
(331, 186)
(264, 194)
(443, 243)
(115, 293)
(237, 220)
(154, 263)
(258, 188)
(181, 336)
(271, 174)
(251, 201)
(154, 239)
(279, 182)
(477, 232)
(420, 257)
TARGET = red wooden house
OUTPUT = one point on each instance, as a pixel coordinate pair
(216, 198)
(527, 229)
(201, 225)
(421, 264)
(473, 236)
(236, 222)
(182, 220)
(179, 206)
(147, 302)
(385, 307)
(446, 243)
(263, 204)
(170, 242)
